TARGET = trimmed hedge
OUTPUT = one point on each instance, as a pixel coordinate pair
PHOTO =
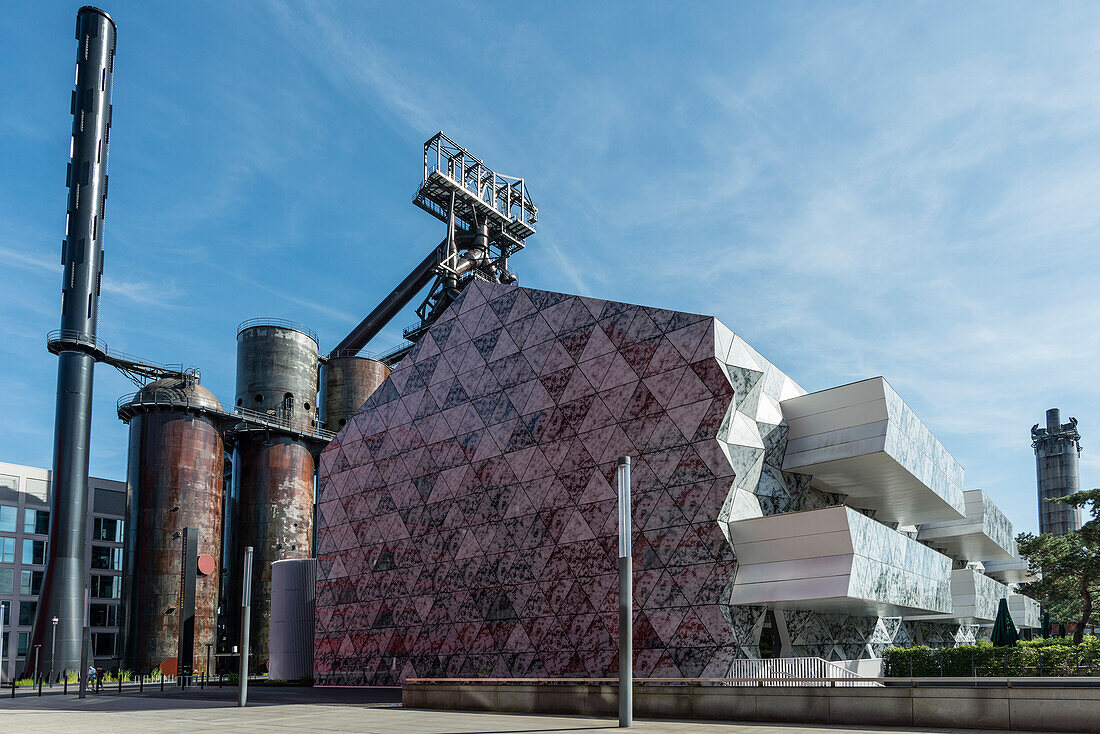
(1044, 657)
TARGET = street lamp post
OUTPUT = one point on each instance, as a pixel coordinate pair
(53, 649)
(626, 601)
(246, 621)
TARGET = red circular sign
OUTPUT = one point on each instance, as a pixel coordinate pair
(206, 564)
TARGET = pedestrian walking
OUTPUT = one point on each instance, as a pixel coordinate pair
(91, 678)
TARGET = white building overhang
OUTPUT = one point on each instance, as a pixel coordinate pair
(1010, 570)
(1025, 611)
(974, 598)
(838, 560)
(985, 534)
(862, 441)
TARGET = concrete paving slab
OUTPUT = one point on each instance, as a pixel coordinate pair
(332, 711)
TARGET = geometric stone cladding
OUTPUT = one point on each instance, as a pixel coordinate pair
(467, 519)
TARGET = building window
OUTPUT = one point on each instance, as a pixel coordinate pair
(106, 529)
(36, 522)
(7, 550)
(106, 559)
(39, 489)
(9, 487)
(26, 613)
(106, 587)
(7, 581)
(30, 583)
(34, 552)
(7, 518)
(104, 615)
(103, 644)
(21, 648)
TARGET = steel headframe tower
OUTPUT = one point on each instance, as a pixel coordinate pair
(62, 593)
(1057, 450)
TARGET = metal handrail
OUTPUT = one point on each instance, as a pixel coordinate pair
(76, 336)
(338, 353)
(528, 212)
(255, 416)
(176, 398)
(284, 323)
(115, 357)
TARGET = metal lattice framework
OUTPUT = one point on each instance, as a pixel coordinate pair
(488, 216)
(481, 195)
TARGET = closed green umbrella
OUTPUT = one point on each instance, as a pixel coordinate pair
(1046, 625)
(1004, 631)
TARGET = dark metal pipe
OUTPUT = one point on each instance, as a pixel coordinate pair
(82, 255)
(377, 319)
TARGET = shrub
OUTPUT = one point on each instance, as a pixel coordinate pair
(113, 676)
(1032, 658)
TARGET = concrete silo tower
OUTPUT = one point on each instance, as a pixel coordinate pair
(1057, 448)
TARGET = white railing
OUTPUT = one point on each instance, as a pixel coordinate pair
(793, 672)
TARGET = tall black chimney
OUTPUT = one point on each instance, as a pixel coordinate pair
(62, 594)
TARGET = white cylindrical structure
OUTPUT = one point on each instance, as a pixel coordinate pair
(293, 609)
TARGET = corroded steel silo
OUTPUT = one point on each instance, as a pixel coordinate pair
(346, 383)
(174, 481)
(277, 375)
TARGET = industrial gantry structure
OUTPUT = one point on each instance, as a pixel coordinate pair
(489, 217)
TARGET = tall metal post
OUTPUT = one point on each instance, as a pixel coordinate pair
(85, 638)
(626, 601)
(246, 618)
(82, 258)
(53, 649)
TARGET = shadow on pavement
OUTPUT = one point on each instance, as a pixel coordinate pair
(214, 697)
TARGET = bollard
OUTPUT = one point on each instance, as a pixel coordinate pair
(13, 687)
(202, 682)
(120, 682)
(141, 684)
(162, 682)
(40, 686)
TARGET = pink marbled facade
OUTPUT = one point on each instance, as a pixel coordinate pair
(467, 512)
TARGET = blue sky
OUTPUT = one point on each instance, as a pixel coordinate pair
(905, 189)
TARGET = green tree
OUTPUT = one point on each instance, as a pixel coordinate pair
(1069, 566)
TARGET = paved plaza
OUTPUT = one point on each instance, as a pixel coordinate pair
(325, 710)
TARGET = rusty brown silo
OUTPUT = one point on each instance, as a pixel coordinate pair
(174, 481)
(277, 376)
(346, 382)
